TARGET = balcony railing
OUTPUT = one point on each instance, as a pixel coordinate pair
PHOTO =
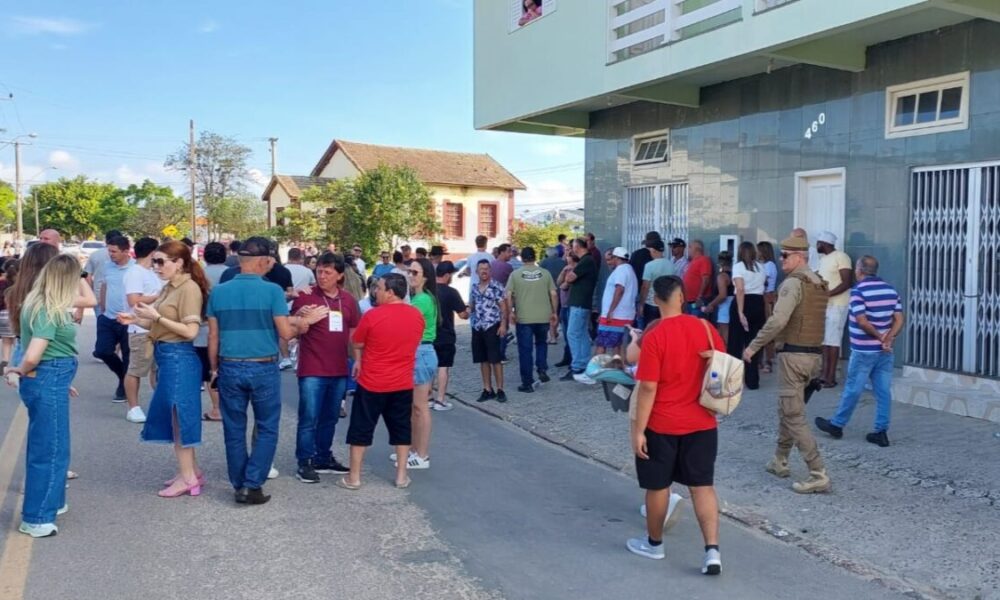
(638, 26)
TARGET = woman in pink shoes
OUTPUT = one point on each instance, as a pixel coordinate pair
(174, 414)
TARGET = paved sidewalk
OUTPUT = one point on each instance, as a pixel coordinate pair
(921, 516)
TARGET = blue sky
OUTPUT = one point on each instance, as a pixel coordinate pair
(109, 86)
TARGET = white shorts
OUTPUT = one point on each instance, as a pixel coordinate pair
(836, 318)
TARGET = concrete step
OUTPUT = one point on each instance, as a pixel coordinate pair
(956, 393)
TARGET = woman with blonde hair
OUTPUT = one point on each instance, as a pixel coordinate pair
(43, 374)
(173, 321)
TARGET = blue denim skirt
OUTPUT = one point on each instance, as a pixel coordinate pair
(178, 389)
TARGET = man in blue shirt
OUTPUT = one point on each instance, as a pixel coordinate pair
(246, 316)
(112, 335)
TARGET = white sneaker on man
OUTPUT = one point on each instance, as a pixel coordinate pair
(135, 415)
(642, 547)
(673, 511)
(39, 530)
(713, 563)
(273, 473)
(584, 379)
(286, 363)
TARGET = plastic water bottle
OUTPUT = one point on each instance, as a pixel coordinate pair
(715, 384)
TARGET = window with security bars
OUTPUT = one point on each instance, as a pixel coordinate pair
(454, 220)
(488, 219)
(651, 149)
(928, 106)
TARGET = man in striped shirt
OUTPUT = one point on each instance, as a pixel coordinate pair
(876, 318)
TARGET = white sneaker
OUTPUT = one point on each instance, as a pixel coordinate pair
(673, 511)
(582, 378)
(37, 531)
(641, 547)
(63, 510)
(713, 563)
(286, 363)
(273, 473)
(392, 456)
(441, 406)
(415, 463)
(135, 415)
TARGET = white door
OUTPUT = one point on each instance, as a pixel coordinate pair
(819, 206)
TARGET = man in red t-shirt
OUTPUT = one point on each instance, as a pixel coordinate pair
(385, 351)
(323, 353)
(697, 279)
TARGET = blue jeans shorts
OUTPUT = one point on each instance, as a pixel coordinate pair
(426, 366)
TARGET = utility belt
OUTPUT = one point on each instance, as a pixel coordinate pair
(801, 349)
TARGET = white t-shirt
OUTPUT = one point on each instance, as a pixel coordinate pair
(361, 267)
(753, 281)
(472, 263)
(302, 277)
(140, 280)
(624, 276)
(829, 269)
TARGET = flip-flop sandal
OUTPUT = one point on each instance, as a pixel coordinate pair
(208, 417)
(347, 485)
(405, 484)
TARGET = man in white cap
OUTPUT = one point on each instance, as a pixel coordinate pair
(617, 304)
(835, 268)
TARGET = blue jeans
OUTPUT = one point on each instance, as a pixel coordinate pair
(564, 320)
(46, 396)
(579, 337)
(528, 335)
(863, 366)
(110, 335)
(259, 385)
(319, 410)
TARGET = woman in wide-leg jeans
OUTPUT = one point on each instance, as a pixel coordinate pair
(44, 373)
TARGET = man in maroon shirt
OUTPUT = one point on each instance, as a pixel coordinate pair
(594, 251)
(385, 351)
(697, 279)
(323, 351)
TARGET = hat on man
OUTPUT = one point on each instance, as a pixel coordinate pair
(620, 252)
(653, 235)
(445, 267)
(255, 246)
(795, 244)
(655, 245)
(827, 237)
(678, 242)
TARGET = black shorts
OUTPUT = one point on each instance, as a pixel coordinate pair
(486, 346)
(206, 366)
(395, 408)
(445, 354)
(685, 459)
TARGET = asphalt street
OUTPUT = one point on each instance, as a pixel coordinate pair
(501, 514)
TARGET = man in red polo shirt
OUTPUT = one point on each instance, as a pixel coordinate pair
(385, 351)
(697, 279)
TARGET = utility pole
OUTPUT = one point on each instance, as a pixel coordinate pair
(274, 155)
(34, 199)
(17, 190)
(191, 177)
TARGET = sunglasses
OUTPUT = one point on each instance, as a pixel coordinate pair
(786, 255)
(415, 272)
(159, 262)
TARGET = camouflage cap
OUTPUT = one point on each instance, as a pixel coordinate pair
(795, 244)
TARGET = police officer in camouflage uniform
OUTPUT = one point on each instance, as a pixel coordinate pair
(797, 324)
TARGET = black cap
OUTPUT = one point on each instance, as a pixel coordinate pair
(678, 242)
(437, 251)
(445, 267)
(655, 245)
(256, 246)
(653, 235)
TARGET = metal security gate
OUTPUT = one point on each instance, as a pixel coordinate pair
(953, 320)
(662, 207)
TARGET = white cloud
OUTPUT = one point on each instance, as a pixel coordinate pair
(208, 26)
(259, 178)
(64, 161)
(546, 194)
(47, 25)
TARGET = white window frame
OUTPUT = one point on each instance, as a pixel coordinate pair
(654, 136)
(938, 84)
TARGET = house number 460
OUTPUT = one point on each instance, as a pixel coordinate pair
(814, 128)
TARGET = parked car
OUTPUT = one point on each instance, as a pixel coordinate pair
(88, 247)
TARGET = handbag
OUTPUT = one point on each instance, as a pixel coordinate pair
(722, 388)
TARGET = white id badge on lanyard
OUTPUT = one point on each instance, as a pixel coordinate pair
(336, 321)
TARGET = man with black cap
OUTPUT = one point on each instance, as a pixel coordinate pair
(797, 322)
(678, 253)
(246, 318)
(641, 256)
(450, 303)
(534, 308)
(659, 266)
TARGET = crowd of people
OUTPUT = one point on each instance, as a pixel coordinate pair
(387, 334)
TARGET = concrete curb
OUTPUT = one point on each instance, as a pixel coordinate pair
(738, 515)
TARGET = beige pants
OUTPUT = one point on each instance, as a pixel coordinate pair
(796, 371)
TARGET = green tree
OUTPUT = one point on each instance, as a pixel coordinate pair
(538, 237)
(71, 206)
(155, 208)
(114, 212)
(241, 216)
(8, 205)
